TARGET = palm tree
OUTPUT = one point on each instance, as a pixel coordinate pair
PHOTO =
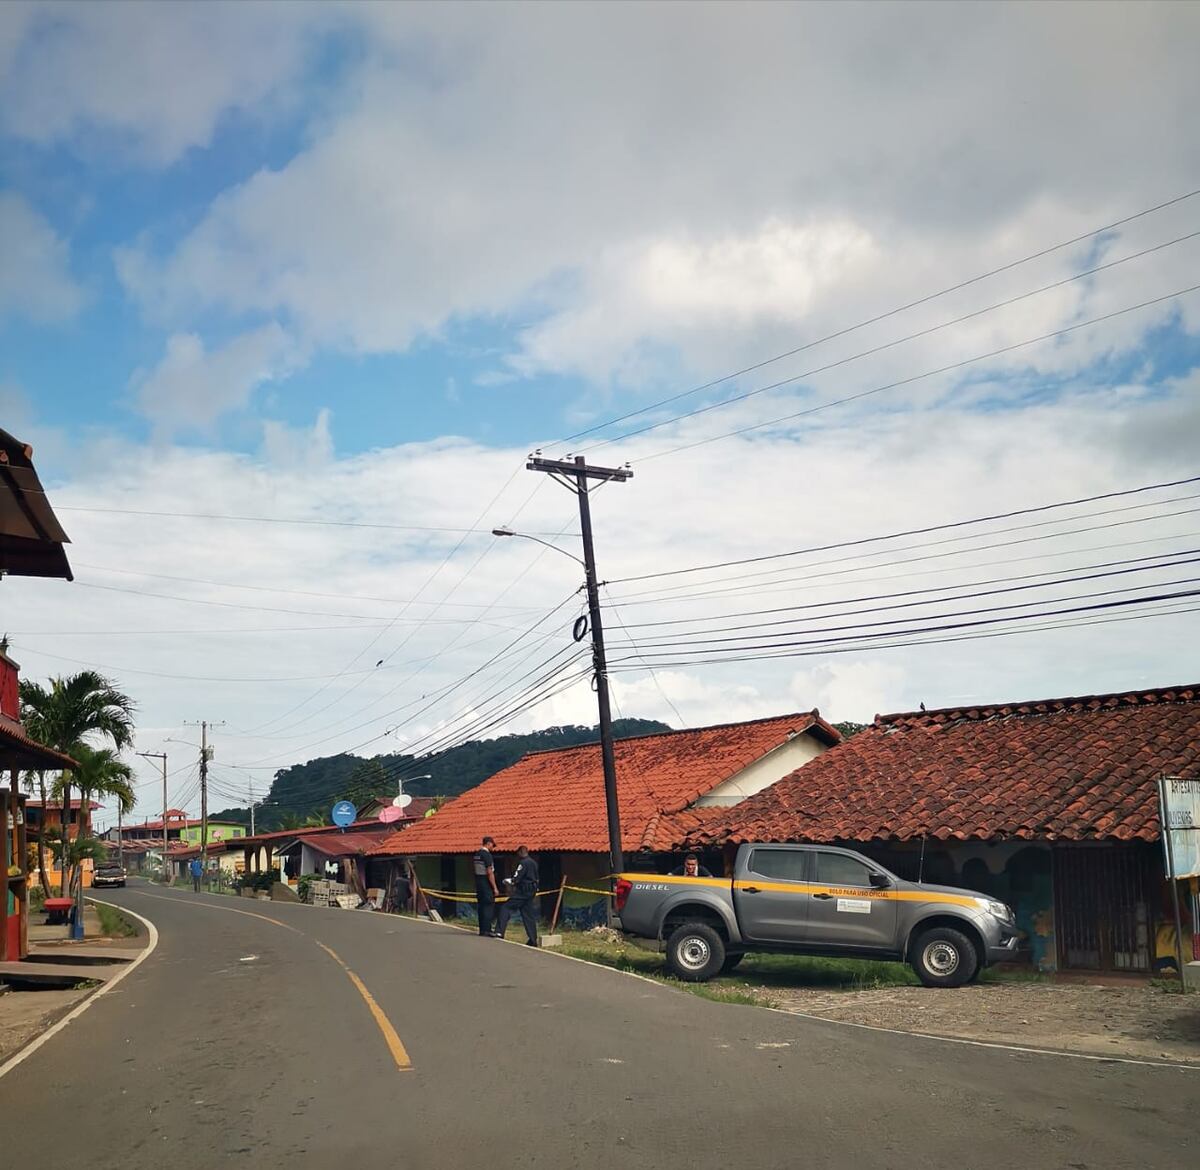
(101, 772)
(65, 714)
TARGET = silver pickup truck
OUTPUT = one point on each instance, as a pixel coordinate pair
(814, 900)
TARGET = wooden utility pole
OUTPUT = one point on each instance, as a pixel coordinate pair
(161, 757)
(206, 754)
(575, 475)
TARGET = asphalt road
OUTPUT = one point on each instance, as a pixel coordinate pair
(242, 1041)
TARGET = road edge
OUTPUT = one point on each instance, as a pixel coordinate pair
(29, 1049)
(998, 1046)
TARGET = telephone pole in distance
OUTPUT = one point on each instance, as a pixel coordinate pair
(574, 476)
(206, 754)
(162, 759)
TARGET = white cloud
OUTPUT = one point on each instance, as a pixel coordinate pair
(756, 176)
(35, 277)
(857, 476)
(158, 77)
(193, 386)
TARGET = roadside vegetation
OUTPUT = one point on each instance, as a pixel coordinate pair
(113, 923)
(757, 975)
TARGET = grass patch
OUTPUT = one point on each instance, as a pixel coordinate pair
(113, 923)
(758, 974)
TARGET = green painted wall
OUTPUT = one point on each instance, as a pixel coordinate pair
(217, 831)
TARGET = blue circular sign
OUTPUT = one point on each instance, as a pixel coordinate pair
(344, 813)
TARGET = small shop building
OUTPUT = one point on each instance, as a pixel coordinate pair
(553, 802)
(1049, 805)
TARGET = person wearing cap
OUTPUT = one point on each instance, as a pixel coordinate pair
(485, 886)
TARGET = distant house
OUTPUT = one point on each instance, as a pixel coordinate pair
(1050, 805)
(668, 783)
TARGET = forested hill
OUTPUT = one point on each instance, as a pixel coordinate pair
(308, 791)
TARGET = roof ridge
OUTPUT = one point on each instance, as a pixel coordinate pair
(1186, 693)
(814, 713)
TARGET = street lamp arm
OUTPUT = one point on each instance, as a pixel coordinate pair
(538, 540)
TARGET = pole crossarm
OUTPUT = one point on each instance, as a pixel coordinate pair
(578, 471)
(575, 468)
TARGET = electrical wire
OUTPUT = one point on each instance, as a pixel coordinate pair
(284, 519)
(1011, 514)
(702, 637)
(883, 316)
(1003, 582)
(869, 639)
(958, 365)
(883, 347)
(668, 593)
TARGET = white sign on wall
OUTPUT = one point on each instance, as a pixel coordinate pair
(1181, 825)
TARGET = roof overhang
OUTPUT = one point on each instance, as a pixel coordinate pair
(31, 538)
(19, 752)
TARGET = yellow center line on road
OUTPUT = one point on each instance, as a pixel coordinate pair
(390, 1036)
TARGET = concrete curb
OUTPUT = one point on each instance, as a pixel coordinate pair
(36, 1043)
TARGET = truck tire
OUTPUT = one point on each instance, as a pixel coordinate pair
(944, 957)
(695, 952)
(731, 961)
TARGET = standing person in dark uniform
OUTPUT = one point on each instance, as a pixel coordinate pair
(522, 896)
(485, 886)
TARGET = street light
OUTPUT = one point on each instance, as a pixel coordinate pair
(538, 540)
(575, 476)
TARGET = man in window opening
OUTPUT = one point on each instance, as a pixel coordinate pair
(691, 867)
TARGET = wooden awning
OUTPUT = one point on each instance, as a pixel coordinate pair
(31, 538)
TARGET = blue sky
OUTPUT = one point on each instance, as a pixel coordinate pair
(352, 262)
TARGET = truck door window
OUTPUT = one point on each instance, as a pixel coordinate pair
(790, 865)
(836, 869)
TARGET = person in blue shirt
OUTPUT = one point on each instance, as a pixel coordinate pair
(197, 872)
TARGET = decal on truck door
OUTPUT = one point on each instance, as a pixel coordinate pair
(854, 905)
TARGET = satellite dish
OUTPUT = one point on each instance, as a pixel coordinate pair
(402, 801)
(344, 813)
(390, 814)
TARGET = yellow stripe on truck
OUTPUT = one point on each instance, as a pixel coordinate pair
(804, 888)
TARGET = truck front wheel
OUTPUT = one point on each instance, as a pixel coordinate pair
(944, 957)
(695, 952)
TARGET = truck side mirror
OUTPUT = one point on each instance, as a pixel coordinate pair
(879, 881)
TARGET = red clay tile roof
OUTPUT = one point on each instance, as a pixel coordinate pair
(1059, 769)
(345, 844)
(555, 799)
(18, 750)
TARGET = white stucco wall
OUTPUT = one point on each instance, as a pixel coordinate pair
(775, 765)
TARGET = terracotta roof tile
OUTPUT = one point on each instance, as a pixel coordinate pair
(1069, 769)
(555, 799)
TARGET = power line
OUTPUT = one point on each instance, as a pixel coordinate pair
(291, 592)
(884, 346)
(1029, 628)
(873, 639)
(665, 594)
(701, 637)
(885, 315)
(909, 381)
(282, 520)
(1112, 569)
(924, 531)
(427, 582)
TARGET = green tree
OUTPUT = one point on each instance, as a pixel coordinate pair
(65, 715)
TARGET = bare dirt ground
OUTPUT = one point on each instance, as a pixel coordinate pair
(25, 1014)
(1139, 1021)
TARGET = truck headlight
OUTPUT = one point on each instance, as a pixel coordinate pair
(996, 909)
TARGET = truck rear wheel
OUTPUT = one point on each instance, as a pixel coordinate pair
(695, 952)
(944, 957)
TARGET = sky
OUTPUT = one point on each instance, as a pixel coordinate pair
(336, 270)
